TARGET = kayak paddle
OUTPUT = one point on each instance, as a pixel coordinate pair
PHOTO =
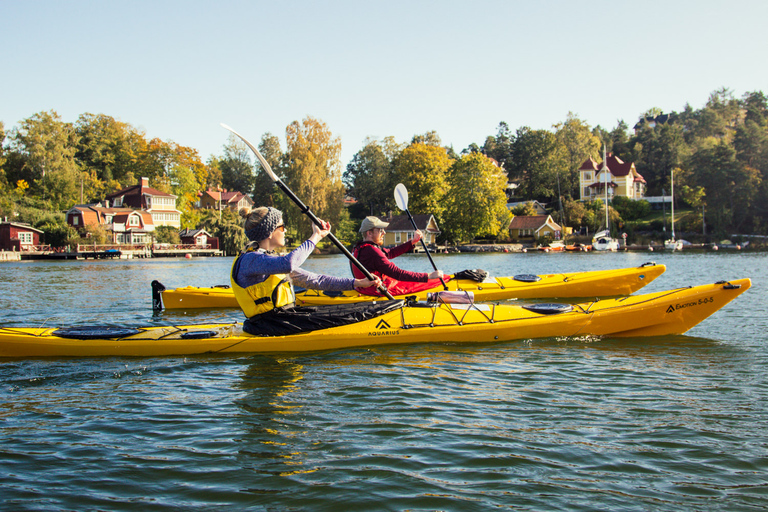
(401, 198)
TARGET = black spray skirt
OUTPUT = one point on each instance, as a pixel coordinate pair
(296, 319)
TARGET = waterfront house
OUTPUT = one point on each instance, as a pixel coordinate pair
(199, 237)
(401, 230)
(160, 205)
(124, 225)
(221, 199)
(621, 178)
(18, 236)
(534, 226)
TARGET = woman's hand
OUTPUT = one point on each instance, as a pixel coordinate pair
(319, 233)
(367, 283)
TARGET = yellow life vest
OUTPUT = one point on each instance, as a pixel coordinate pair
(276, 291)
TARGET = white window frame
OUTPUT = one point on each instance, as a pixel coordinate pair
(26, 238)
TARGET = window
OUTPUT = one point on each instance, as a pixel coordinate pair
(25, 238)
(133, 220)
(587, 175)
(75, 220)
(398, 237)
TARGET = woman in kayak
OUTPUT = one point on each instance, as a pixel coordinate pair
(376, 259)
(263, 281)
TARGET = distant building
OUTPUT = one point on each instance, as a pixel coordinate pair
(18, 236)
(621, 178)
(221, 199)
(160, 205)
(401, 230)
(198, 237)
(125, 225)
(534, 226)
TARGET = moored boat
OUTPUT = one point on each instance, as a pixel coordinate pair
(652, 314)
(595, 283)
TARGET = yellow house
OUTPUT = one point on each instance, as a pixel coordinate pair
(621, 178)
(401, 230)
(535, 226)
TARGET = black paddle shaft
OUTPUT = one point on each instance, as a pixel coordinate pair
(306, 211)
(413, 223)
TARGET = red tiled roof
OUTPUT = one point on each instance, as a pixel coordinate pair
(528, 221)
(403, 223)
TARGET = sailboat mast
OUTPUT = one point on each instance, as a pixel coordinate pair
(672, 173)
(605, 180)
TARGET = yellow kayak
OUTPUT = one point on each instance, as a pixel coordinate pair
(652, 314)
(595, 283)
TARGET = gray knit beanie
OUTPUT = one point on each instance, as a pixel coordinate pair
(268, 224)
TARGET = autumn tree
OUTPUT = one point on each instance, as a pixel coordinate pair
(476, 205)
(313, 172)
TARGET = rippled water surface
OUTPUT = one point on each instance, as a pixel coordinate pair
(666, 423)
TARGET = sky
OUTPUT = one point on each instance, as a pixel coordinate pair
(177, 69)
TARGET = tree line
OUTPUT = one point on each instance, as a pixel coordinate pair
(718, 153)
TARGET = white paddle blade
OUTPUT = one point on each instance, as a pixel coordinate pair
(264, 164)
(401, 196)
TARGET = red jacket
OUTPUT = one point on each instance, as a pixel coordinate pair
(398, 281)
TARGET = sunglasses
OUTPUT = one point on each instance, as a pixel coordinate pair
(281, 227)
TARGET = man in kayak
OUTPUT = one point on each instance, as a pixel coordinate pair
(262, 280)
(376, 259)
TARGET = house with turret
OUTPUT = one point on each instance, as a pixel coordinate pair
(621, 178)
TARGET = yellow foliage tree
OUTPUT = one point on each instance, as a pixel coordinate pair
(313, 172)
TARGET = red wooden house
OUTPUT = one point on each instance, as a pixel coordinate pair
(17, 236)
(199, 237)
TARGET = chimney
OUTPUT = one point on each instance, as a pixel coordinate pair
(144, 182)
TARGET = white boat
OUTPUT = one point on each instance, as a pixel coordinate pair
(602, 240)
(672, 244)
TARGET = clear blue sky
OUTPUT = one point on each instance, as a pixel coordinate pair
(176, 69)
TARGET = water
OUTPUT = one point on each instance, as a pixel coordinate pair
(667, 423)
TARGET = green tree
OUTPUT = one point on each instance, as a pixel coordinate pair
(423, 169)
(577, 142)
(369, 178)
(228, 229)
(265, 192)
(476, 205)
(313, 173)
(499, 147)
(167, 235)
(45, 147)
(236, 167)
(537, 157)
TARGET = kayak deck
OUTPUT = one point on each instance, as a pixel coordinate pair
(653, 314)
(595, 283)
